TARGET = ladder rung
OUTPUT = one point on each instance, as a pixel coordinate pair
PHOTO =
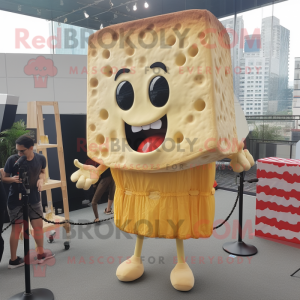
(51, 184)
(45, 146)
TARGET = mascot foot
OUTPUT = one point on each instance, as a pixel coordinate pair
(182, 277)
(131, 269)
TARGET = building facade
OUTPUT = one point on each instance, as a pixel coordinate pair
(296, 93)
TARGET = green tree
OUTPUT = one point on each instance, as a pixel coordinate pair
(266, 132)
(8, 140)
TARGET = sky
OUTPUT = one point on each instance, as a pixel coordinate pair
(288, 12)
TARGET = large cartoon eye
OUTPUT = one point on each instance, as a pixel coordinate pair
(45, 68)
(125, 95)
(159, 91)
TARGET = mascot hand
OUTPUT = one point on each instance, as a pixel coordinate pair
(86, 175)
(242, 160)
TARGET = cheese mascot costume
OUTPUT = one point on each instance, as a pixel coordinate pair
(160, 113)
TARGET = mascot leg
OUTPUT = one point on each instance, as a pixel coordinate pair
(182, 277)
(132, 268)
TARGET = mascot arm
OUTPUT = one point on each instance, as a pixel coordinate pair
(242, 160)
(86, 175)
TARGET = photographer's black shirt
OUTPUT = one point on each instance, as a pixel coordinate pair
(2, 196)
(34, 169)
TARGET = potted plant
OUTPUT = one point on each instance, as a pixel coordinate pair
(8, 140)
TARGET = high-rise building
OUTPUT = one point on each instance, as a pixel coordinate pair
(237, 50)
(275, 46)
(264, 70)
(296, 94)
(253, 85)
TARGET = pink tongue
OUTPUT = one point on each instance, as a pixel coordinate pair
(150, 143)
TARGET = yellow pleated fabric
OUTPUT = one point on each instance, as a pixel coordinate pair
(167, 205)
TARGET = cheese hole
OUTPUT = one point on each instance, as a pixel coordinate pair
(150, 26)
(122, 159)
(103, 114)
(107, 71)
(115, 36)
(199, 105)
(94, 92)
(142, 61)
(106, 54)
(178, 137)
(220, 60)
(142, 35)
(113, 134)
(100, 139)
(178, 26)
(129, 62)
(95, 153)
(204, 42)
(171, 40)
(190, 118)
(193, 50)
(129, 51)
(104, 152)
(201, 35)
(94, 53)
(199, 79)
(93, 82)
(92, 127)
(180, 59)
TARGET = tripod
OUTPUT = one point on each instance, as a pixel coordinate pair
(240, 248)
(29, 294)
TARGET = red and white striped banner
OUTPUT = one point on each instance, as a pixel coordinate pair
(278, 199)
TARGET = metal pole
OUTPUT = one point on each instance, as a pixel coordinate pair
(241, 206)
(26, 245)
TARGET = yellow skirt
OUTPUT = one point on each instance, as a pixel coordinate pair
(167, 205)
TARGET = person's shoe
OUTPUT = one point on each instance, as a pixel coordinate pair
(108, 212)
(42, 257)
(19, 262)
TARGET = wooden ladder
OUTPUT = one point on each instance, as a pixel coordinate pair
(35, 120)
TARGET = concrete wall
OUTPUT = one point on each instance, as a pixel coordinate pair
(67, 86)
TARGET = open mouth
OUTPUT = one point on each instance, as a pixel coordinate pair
(146, 138)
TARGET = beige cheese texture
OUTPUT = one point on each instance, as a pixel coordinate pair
(201, 128)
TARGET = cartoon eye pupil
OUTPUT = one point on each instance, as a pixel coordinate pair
(45, 68)
(36, 68)
(159, 91)
(125, 95)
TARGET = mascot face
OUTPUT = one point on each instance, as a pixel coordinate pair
(160, 93)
